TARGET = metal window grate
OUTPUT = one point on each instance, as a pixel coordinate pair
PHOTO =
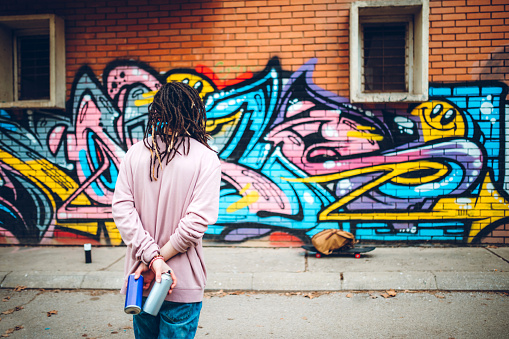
(384, 57)
(33, 60)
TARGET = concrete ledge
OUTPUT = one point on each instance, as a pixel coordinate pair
(473, 281)
(297, 281)
(389, 280)
(34, 279)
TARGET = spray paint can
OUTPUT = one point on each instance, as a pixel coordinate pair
(158, 294)
(88, 253)
(133, 295)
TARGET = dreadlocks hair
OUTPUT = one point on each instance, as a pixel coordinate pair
(176, 115)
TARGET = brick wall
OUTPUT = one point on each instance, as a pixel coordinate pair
(468, 40)
(228, 44)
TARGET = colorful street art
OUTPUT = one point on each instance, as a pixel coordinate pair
(296, 159)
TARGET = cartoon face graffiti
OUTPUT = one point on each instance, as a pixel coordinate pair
(316, 139)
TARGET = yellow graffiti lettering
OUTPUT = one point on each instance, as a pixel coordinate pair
(245, 201)
(223, 125)
(363, 135)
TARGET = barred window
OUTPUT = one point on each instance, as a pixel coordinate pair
(384, 55)
(33, 61)
(389, 51)
(33, 67)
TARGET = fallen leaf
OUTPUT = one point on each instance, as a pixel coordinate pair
(50, 313)
(385, 295)
(440, 296)
(236, 293)
(19, 327)
(6, 299)
(114, 332)
(19, 288)
(12, 310)
(349, 295)
(9, 331)
(392, 293)
(110, 325)
(130, 328)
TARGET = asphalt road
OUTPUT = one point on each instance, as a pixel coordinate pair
(99, 314)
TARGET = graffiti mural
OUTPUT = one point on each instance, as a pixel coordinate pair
(296, 159)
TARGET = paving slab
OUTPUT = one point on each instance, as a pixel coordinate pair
(472, 281)
(502, 252)
(278, 281)
(361, 281)
(217, 281)
(399, 259)
(103, 280)
(58, 258)
(241, 260)
(43, 279)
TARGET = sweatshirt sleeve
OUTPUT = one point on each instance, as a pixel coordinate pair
(127, 219)
(202, 211)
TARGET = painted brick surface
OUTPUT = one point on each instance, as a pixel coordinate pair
(298, 157)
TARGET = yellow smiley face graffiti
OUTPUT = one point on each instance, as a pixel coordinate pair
(440, 120)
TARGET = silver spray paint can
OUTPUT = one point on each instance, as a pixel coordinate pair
(157, 295)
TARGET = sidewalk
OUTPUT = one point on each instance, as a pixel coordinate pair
(273, 269)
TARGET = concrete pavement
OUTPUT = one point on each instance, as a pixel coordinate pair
(273, 269)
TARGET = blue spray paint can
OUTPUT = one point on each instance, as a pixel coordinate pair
(158, 294)
(133, 295)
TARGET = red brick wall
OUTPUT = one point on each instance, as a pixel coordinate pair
(469, 40)
(467, 37)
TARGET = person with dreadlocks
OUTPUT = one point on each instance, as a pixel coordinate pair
(166, 195)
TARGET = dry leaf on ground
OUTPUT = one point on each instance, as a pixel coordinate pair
(50, 313)
(19, 288)
(11, 330)
(349, 295)
(392, 293)
(6, 299)
(12, 310)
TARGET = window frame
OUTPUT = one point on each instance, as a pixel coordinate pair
(18, 25)
(416, 13)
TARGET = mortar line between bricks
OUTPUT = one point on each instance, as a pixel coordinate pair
(504, 259)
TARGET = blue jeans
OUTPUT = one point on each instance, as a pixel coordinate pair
(175, 320)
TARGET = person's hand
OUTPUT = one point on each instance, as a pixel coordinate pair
(159, 267)
(148, 275)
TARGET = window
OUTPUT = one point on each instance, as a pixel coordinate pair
(389, 51)
(33, 67)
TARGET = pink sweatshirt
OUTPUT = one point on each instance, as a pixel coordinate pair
(177, 207)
